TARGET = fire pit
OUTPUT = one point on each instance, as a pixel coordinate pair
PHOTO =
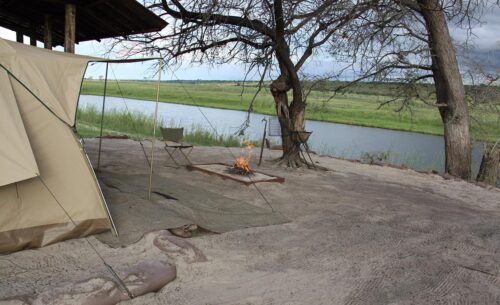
(240, 171)
(226, 171)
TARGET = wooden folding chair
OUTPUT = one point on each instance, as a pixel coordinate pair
(173, 142)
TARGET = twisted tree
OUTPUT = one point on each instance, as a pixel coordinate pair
(275, 38)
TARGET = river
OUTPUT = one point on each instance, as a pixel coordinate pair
(415, 150)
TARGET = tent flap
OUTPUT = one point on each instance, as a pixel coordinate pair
(39, 236)
(17, 162)
(53, 77)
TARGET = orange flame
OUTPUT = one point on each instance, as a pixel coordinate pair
(242, 163)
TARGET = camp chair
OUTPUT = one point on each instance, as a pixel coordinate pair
(300, 137)
(173, 141)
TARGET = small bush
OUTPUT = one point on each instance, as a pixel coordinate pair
(373, 157)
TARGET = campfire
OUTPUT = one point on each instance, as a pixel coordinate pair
(240, 170)
(242, 164)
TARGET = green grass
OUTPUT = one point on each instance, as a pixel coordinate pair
(357, 107)
(140, 126)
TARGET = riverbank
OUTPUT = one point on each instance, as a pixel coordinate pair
(357, 234)
(134, 118)
(139, 126)
(347, 108)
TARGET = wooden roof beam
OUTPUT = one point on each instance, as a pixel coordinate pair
(47, 32)
(69, 28)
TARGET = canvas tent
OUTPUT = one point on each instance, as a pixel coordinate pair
(48, 191)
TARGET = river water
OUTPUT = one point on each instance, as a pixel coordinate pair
(415, 150)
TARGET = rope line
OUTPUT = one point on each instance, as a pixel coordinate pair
(216, 134)
(129, 114)
(34, 95)
(110, 269)
(204, 116)
(206, 119)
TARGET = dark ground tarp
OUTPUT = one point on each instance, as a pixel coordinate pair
(173, 204)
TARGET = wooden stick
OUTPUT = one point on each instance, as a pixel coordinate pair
(153, 141)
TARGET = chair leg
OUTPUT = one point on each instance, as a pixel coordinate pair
(186, 155)
(190, 150)
(171, 155)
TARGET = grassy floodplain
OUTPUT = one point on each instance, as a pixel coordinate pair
(358, 106)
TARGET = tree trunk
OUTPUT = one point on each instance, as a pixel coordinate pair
(291, 115)
(288, 122)
(490, 165)
(450, 91)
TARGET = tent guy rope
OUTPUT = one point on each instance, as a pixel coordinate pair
(217, 134)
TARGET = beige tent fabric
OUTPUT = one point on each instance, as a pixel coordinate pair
(54, 77)
(17, 162)
(34, 212)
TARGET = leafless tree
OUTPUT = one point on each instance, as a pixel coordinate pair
(275, 38)
(408, 41)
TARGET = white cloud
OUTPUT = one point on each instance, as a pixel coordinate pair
(485, 35)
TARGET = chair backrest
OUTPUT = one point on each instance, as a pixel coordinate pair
(274, 127)
(172, 134)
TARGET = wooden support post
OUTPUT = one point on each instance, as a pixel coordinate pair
(32, 35)
(69, 28)
(19, 37)
(47, 32)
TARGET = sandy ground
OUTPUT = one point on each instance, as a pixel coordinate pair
(359, 234)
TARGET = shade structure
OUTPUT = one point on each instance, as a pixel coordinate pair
(48, 191)
(95, 19)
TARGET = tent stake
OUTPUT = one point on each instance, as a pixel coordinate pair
(153, 141)
(102, 117)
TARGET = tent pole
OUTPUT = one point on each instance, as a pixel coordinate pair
(102, 117)
(153, 141)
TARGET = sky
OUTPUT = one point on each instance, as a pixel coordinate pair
(485, 39)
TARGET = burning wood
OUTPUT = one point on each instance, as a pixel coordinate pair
(242, 164)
